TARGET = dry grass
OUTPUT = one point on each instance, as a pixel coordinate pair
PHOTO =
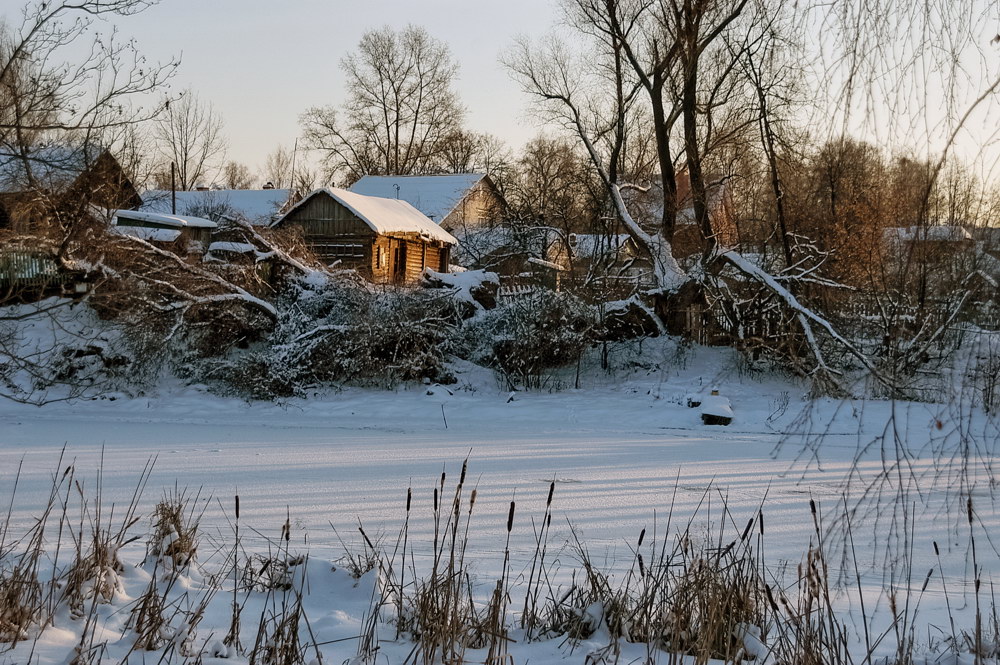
(701, 590)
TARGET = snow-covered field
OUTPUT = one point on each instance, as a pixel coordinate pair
(623, 454)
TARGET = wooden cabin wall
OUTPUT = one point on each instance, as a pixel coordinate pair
(334, 232)
(329, 227)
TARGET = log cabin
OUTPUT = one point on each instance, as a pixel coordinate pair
(60, 180)
(386, 240)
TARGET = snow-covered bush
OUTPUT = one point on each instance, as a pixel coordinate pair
(56, 349)
(337, 331)
(526, 337)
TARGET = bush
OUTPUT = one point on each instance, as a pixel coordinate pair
(331, 333)
(525, 338)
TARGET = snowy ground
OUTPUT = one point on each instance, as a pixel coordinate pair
(622, 455)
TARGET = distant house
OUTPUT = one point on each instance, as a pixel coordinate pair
(181, 233)
(387, 240)
(931, 238)
(39, 185)
(647, 208)
(259, 207)
(456, 202)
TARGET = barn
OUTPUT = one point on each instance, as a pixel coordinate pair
(387, 240)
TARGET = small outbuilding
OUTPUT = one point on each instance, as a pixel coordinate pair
(156, 227)
(387, 240)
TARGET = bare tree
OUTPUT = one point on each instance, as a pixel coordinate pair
(278, 167)
(190, 136)
(399, 111)
(237, 176)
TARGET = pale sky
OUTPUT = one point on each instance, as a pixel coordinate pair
(261, 63)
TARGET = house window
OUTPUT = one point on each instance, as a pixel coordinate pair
(378, 258)
(340, 250)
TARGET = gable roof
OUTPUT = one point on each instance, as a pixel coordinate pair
(434, 195)
(123, 217)
(384, 216)
(53, 166)
(257, 206)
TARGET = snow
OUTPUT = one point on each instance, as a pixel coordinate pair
(716, 405)
(433, 195)
(595, 245)
(463, 282)
(173, 221)
(624, 452)
(256, 206)
(234, 247)
(146, 233)
(934, 233)
(384, 216)
(54, 166)
(546, 264)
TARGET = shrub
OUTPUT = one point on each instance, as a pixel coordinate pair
(526, 337)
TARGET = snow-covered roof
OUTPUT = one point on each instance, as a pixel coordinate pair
(434, 195)
(257, 206)
(942, 233)
(171, 221)
(384, 216)
(147, 233)
(233, 247)
(593, 245)
(57, 165)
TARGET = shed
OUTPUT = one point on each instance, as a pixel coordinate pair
(164, 228)
(387, 240)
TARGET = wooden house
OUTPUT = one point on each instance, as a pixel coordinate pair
(457, 202)
(387, 240)
(62, 180)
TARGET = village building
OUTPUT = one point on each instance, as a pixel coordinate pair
(62, 180)
(457, 202)
(688, 239)
(183, 234)
(386, 240)
(259, 207)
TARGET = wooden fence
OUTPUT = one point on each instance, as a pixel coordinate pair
(21, 269)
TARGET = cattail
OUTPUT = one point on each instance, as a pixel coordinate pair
(435, 499)
(927, 580)
(548, 521)
(746, 531)
(968, 506)
(552, 489)
(465, 467)
(937, 552)
(760, 521)
(365, 536)
(812, 507)
(510, 517)
(409, 498)
(472, 500)
(642, 534)
(237, 506)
